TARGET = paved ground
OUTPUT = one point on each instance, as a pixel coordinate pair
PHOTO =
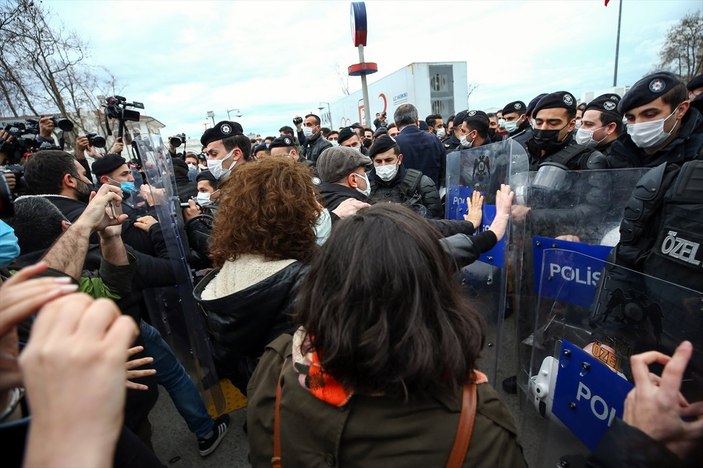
(176, 446)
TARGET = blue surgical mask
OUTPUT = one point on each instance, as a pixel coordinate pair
(9, 245)
(127, 186)
(510, 126)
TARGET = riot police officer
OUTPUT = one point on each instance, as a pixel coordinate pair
(601, 123)
(552, 144)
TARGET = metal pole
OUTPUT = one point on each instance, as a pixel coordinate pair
(365, 90)
(617, 46)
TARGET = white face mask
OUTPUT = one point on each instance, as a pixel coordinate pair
(650, 134)
(307, 131)
(465, 142)
(510, 126)
(367, 191)
(215, 166)
(501, 123)
(441, 133)
(334, 142)
(578, 123)
(585, 137)
(323, 227)
(387, 172)
(203, 198)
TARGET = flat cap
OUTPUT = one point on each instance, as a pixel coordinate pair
(381, 145)
(107, 164)
(337, 162)
(557, 100)
(515, 106)
(224, 129)
(605, 103)
(356, 125)
(345, 134)
(647, 89)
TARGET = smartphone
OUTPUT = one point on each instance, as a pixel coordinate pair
(115, 211)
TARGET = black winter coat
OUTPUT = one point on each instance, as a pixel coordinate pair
(242, 324)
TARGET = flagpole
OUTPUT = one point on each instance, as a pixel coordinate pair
(617, 45)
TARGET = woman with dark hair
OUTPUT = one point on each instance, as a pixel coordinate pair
(263, 231)
(383, 361)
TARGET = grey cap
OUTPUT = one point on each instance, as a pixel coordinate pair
(337, 162)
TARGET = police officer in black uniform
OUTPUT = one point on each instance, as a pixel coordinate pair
(661, 229)
(453, 141)
(516, 121)
(552, 143)
(601, 123)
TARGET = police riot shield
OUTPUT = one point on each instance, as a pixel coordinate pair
(484, 169)
(571, 210)
(174, 310)
(591, 316)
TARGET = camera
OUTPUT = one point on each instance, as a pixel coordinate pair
(7, 195)
(297, 120)
(177, 140)
(116, 108)
(95, 140)
(20, 129)
(63, 123)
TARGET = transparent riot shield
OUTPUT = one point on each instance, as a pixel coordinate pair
(173, 310)
(484, 169)
(591, 317)
(573, 210)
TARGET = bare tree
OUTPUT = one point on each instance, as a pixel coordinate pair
(343, 77)
(470, 89)
(683, 47)
(43, 67)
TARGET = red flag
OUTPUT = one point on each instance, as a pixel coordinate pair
(606, 2)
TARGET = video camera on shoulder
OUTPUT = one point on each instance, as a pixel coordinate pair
(116, 108)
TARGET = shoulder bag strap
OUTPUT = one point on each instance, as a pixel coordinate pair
(466, 426)
(276, 459)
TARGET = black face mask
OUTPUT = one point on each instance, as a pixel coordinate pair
(368, 143)
(83, 194)
(546, 140)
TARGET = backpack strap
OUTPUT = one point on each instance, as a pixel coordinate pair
(276, 459)
(410, 183)
(466, 426)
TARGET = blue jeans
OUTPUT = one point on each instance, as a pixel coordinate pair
(174, 378)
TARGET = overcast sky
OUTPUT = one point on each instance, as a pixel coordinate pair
(273, 60)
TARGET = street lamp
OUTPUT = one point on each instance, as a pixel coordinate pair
(211, 114)
(237, 113)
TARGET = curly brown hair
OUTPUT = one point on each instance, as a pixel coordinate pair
(268, 208)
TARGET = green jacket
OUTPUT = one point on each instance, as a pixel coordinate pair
(370, 431)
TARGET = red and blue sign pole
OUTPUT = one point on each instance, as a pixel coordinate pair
(359, 33)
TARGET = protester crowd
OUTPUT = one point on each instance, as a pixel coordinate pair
(326, 276)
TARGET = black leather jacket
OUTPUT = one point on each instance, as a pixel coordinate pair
(240, 325)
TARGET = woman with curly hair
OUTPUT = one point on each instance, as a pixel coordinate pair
(263, 232)
(381, 371)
